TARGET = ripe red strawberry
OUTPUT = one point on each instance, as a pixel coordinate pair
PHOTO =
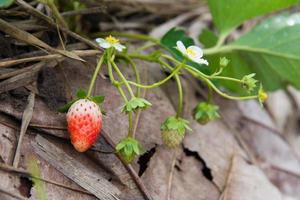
(84, 124)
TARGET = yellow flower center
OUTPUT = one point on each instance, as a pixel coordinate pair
(262, 96)
(191, 52)
(112, 40)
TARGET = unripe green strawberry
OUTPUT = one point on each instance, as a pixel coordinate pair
(205, 112)
(173, 131)
(84, 120)
(171, 138)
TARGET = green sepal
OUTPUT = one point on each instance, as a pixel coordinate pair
(66, 107)
(129, 148)
(81, 94)
(249, 83)
(205, 112)
(176, 124)
(224, 62)
(136, 103)
(97, 99)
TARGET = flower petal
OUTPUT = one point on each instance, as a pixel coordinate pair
(197, 50)
(100, 40)
(119, 47)
(200, 61)
(105, 45)
(181, 47)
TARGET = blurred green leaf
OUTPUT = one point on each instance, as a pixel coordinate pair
(208, 38)
(271, 50)
(5, 3)
(231, 13)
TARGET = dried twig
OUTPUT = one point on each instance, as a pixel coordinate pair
(27, 174)
(228, 179)
(21, 79)
(27, 115)
(46, 57)
(40, 15)
(170, 180)
(32, 40)
(94, 183)
(130, 169)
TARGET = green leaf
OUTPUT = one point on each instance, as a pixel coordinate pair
(66, 107)
(136, 103)
(271, 50)
(98, 99)
(169, 40)
(231, 13)
(81, 94)
(5, 3)
(208, 38)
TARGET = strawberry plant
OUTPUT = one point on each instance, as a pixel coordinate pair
(178, 53)
(220, 66)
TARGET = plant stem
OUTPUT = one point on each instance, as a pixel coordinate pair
(229, 96)
(209, 98)
(123, 79)
(180, 95)
(174, 72)
(146, 46)
(137, 75)
(121, 91)
(226, 78)
(206, 78)
(95, 76)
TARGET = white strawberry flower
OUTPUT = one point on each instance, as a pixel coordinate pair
(192, 52)
(109, 42)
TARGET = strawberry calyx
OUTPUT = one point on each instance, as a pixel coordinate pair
(175, 124)
(81, 94)
(135, 103)
(248, 82)
(129, 148)
(173, 131)
(205, 112)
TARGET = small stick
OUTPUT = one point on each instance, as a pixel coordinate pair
(130, 169)
(229, 177)
(47, 126)
(171, 176)
(46, 57)
(27, 174)
(27, 115)
(40, 15)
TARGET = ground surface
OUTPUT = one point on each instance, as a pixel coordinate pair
(250, 153)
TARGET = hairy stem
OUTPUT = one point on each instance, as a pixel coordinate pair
(124, 80)
(174, 72)
(180, 95)
(97, 70)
